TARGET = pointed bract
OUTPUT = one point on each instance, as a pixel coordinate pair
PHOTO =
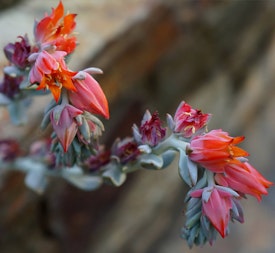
(216, 207)
(244, 178)
(89, 96)
(64, 123)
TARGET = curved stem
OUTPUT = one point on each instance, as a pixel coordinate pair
(210, 178)
(170, 143)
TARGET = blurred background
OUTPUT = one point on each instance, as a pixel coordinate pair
(218, 56)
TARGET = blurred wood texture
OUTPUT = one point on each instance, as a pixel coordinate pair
(216, 55)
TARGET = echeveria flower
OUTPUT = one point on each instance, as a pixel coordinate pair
(151, 130)
(216, 205)
(50, 72)
(215, 149)
(88, 95)
(244, 178)
(64, 123)
(55, 30)
(17, 53)
(188, 120)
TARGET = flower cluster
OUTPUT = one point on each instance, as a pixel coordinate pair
(42, 66)
(210, 162)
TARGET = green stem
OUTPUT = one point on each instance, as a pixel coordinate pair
(210, 178)
(64, 97)
(170, 143)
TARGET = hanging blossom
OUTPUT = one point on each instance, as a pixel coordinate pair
(214, 198)
(244, 178)
(210, 163)
(88, 95)
(217, 203)
(230, 177)
(215, 149)
(64, 123)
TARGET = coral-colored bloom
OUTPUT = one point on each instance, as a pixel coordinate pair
(51, 72)
(64, 123)
(244, 178)
(53, 30)
(216, 205)
(188, 120)
(215, 149)
(89, 95)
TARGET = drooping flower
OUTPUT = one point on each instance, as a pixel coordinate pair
(216, 206)
(151, 132)
(188, 120)
(55, 30)
(10, 85)
(64, 123)
(17, 53)
(244, 178)
(215, 149)
(50, 72)
(88, 95)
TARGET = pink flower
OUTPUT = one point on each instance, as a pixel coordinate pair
(188, 120)
(244, 178)
(216, 205)
(55, 30)
(51, 72)
(216, 149)
(150, 130)
(89, 95)
(64, 123)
